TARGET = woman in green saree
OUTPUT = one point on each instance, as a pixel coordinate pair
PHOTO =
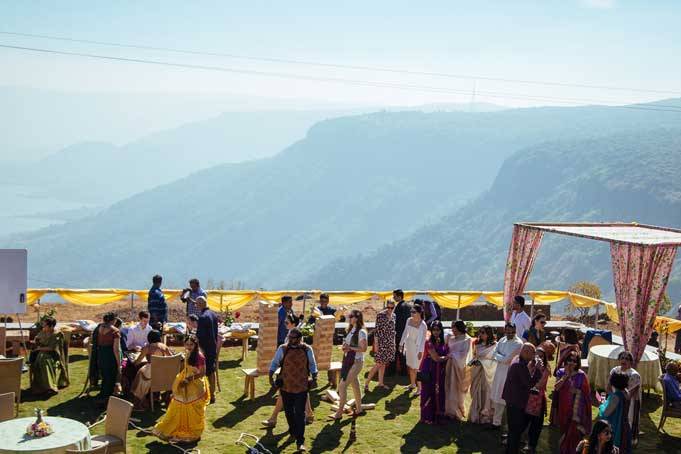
(48, 370)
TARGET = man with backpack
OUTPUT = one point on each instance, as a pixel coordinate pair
(297, 363)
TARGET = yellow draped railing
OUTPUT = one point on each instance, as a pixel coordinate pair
(234, 299)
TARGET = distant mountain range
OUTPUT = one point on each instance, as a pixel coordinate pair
(626, 177)
(352, 186)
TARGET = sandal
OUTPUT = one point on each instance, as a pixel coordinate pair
(334, 417)
(356, 413)
(384, 386)
(268, 423)
(309, 420)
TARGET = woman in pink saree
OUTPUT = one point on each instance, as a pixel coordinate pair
(574, 404)
(458, 376)
(482, 376)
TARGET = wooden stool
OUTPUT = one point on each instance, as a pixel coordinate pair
(249, 381)
(334, 373)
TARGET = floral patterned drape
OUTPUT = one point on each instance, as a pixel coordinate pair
(640, 275)
(521, 255)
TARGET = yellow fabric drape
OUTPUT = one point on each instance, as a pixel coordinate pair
(671, 324)
(495, 298)
(34, 295)
(584, 301)
(548, 296)
(276, 296)
(611, 310)
(170, 295)
(92, 297)
(455, 300)
(348, 298)
(232, 300)
(388, 295)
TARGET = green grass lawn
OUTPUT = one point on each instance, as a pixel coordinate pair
(391, 427)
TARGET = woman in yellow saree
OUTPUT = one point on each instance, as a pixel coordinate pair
(185, 419)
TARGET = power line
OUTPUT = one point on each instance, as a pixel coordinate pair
(341, 66)
(356, 82)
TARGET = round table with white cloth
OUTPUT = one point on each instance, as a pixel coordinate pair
(602, 358)
(68, 434)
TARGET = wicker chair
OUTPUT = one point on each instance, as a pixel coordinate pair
(10, 378)
(6, 406)
(102, 449)
(164, 369)
(667, 410)
(117, 417)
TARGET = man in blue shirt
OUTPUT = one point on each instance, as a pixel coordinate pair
(284, 310)
(189, 296)
(207, 335)
(156, 302)
(297, 363)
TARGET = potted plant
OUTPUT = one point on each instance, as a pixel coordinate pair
(307, 329)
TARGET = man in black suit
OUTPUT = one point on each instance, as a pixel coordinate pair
(402, 314)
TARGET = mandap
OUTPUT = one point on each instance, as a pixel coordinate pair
(642, 258)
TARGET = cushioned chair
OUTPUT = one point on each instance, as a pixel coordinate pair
(103, 449)
(115, 433)
(10, 378)
(667, 410)
(164, 369)
(598, 340)
(6, 406)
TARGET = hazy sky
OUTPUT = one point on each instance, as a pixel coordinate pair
(600, 42)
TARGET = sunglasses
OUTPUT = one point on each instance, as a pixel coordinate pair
(413, 312)
(391, 307)
(351, 316)
(573, 361)
(543, 322)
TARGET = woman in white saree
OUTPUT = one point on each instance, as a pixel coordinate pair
(482, 376)
(458, 377)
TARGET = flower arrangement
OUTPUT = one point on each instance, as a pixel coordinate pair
(39, 428)
(230, 317)
(307, 329)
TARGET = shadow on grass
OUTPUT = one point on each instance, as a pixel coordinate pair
(398, 406)
(158, 447)
(85, 410)
(650, 440)
(270, 440)
(329, 438)
(77, 357)
(229, 364)
(242, 409)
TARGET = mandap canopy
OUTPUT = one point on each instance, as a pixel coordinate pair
(642, 258)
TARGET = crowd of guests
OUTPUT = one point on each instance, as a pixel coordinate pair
(506, 377)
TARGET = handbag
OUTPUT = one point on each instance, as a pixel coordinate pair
(424, 377)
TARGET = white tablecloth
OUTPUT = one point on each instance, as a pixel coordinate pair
(602, 358)
(68, 434)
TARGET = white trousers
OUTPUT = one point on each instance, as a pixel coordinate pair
(499, 409)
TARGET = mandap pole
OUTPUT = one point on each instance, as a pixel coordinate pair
(132, 306)
(458, 308)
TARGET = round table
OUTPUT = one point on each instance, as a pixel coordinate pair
(68, 434)
(602, 358)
